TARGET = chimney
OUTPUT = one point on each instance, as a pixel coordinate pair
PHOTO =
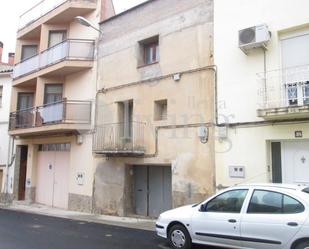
(1, 50)
(11, 59)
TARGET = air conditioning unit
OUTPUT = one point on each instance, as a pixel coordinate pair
(254, 37)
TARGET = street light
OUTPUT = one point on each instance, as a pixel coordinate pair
(83, 21)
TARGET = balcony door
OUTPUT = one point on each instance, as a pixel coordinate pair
(25, 113)
(28, 51)
(52, 111)
(25, 101)
(295, 73)
(53, 93)
(125, 117)
(56, 37)
(58, 49)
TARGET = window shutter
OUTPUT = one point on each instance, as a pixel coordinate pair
(295, 51)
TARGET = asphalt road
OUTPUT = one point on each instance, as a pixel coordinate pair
(28, 231)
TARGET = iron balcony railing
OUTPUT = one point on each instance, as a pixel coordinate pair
(41, 9)
(62, 112)
(120, 138)
(284, 87)
(71, 49)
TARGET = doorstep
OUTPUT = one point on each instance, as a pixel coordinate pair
(129, 222)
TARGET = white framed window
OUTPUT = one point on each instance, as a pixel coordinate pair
(295, 73)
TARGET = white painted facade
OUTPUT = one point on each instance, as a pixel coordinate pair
(6, 87)
(240, 91)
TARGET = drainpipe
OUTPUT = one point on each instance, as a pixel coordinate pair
(214, 68)
(265, 75)
(10, 161)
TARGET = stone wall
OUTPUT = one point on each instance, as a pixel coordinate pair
(81, 203)
(30, 194)
(6, 198)
(109, 185)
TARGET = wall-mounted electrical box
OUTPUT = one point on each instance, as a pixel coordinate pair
(202, 133)
(237, 171)
(80, 178)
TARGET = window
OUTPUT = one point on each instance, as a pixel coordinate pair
(292, 206)
(1, 92)
(125, 118)
(160, 110)
(55, 147)
(268, 202)
(25, 101)
(228, 202)
(24, 117)
(150, 51)
(28, 51)
(56, 37)
(295, 60)
(53, 93)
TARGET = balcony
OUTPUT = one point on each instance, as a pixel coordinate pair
(64, 58)
(51, 12)
(284, 93)
(120, 139)
(63, 116)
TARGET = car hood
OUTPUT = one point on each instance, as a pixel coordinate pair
(184, 212)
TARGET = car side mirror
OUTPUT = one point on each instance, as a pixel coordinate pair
(203, 207)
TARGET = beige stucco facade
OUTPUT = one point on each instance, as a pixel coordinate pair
(168, 106)
(182, 78)
(71, 134)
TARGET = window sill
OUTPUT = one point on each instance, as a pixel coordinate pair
(146, 65)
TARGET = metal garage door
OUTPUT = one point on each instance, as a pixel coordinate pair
(152, 190)
(53, 175)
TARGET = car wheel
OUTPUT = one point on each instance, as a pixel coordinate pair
(179, 238)
(303, 245)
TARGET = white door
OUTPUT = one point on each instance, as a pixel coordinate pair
(61, 180)
(271, 220)
(45, 178)
(53, 175)
(295, 162)
(219, 221)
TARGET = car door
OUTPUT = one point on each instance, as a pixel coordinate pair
(218, 221)
(271, 220)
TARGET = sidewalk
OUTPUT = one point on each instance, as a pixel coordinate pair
(136, 223)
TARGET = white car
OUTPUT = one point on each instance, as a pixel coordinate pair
(262, 216)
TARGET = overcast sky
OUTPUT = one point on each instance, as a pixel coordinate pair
(11, 9)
